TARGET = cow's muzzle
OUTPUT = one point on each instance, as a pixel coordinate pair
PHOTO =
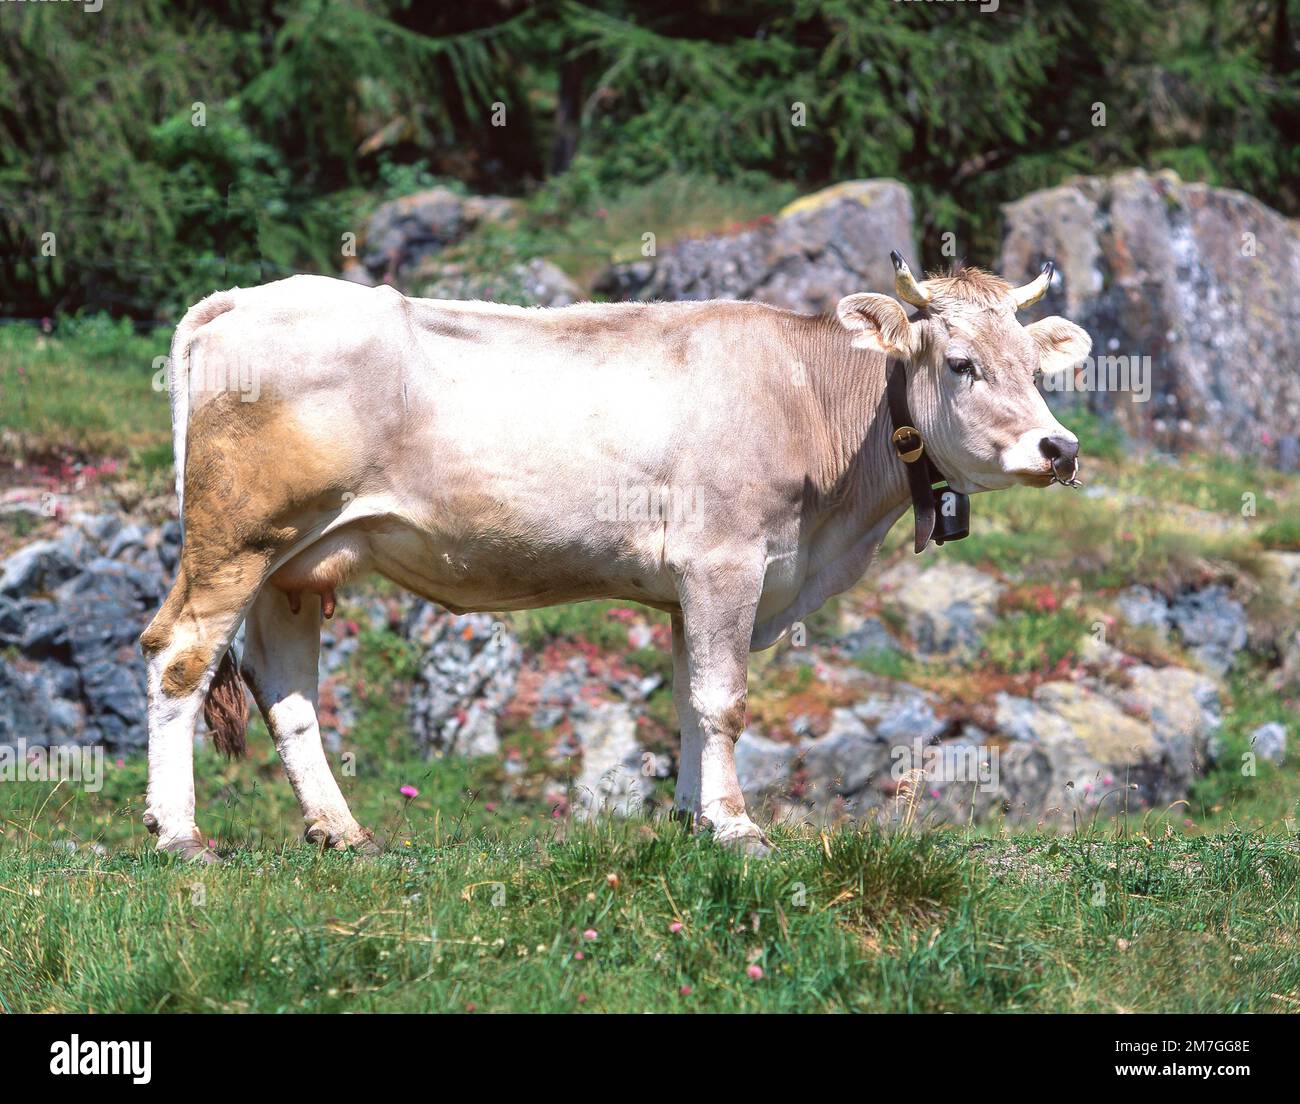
(1063, 454)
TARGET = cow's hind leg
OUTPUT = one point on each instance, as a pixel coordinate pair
(280, 665)
(183, 645)
(686, 801)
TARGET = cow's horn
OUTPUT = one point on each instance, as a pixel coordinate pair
(1026, 295)
(905, 284)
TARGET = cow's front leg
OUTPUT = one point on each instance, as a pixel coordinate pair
(718, 605)
(281, 654)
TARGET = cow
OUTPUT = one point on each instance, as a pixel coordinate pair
(484, 456)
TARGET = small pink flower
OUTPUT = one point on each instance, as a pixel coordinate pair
(409, 792)
(119, 762)
(579, 955)
(685, 990)
(471, 1007)
(675, 927)
(212, 844)
(582, 998)
(589, 935)
(491, 806)
(755, 972)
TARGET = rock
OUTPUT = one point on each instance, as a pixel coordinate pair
(946, 608)
(1283, 570)
(1268, 742)
(869, 638)
(36, 627)
(1201, 280)
(128, 537)
(763, 765)
(817, 250)
(404, 231)
(99, 528)
(902, 715)
(1286, 679)
(1072, 744)
(1185, 717)
(33, 709)
(611, 779)
(466, 676)
(1143, 607)
(845, 760)
(116, 704)
(1212, 625)
(37, 567)
(535, 283)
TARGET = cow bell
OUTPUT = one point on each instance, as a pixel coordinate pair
(951, 514)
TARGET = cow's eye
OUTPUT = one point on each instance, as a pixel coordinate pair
(961, 365)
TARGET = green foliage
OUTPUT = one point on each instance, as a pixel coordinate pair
(1033, 641)
(314, 105)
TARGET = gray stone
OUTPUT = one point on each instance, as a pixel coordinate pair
(817, 250)
(1143, 607)
(869, 638)
(844, 760)
(612, 779)
(1212, 625)
(1269, 742)
(1204, 281)
(32, 709)
(467, 674)
(763, 765)
(38, 567)
(405, 231)
(533, 283)
(946, 608)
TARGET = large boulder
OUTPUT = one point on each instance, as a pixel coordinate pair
(404, 232)
(817, 250)
(1204, 281)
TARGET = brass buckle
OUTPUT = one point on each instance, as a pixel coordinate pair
(908, 444)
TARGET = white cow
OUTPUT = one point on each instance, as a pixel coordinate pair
(495, 457)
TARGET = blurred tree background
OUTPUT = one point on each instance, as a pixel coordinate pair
(315, 110)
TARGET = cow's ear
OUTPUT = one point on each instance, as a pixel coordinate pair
(1061, 344)
(877, 322)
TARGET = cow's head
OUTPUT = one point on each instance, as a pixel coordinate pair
(973, 373)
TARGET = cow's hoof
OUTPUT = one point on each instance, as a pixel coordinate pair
(684, 817)
(358, 840)
(366, 845)
(191, 850)
(744, 836)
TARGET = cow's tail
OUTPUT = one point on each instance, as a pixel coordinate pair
(225, 709)
(178, 385)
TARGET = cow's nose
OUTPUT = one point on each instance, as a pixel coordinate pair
(1059, 449)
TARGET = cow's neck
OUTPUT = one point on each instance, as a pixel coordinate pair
(857, 476)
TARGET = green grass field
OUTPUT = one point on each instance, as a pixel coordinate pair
(638, 917)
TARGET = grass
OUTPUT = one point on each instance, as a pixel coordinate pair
(853, 920)
(88, 391)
